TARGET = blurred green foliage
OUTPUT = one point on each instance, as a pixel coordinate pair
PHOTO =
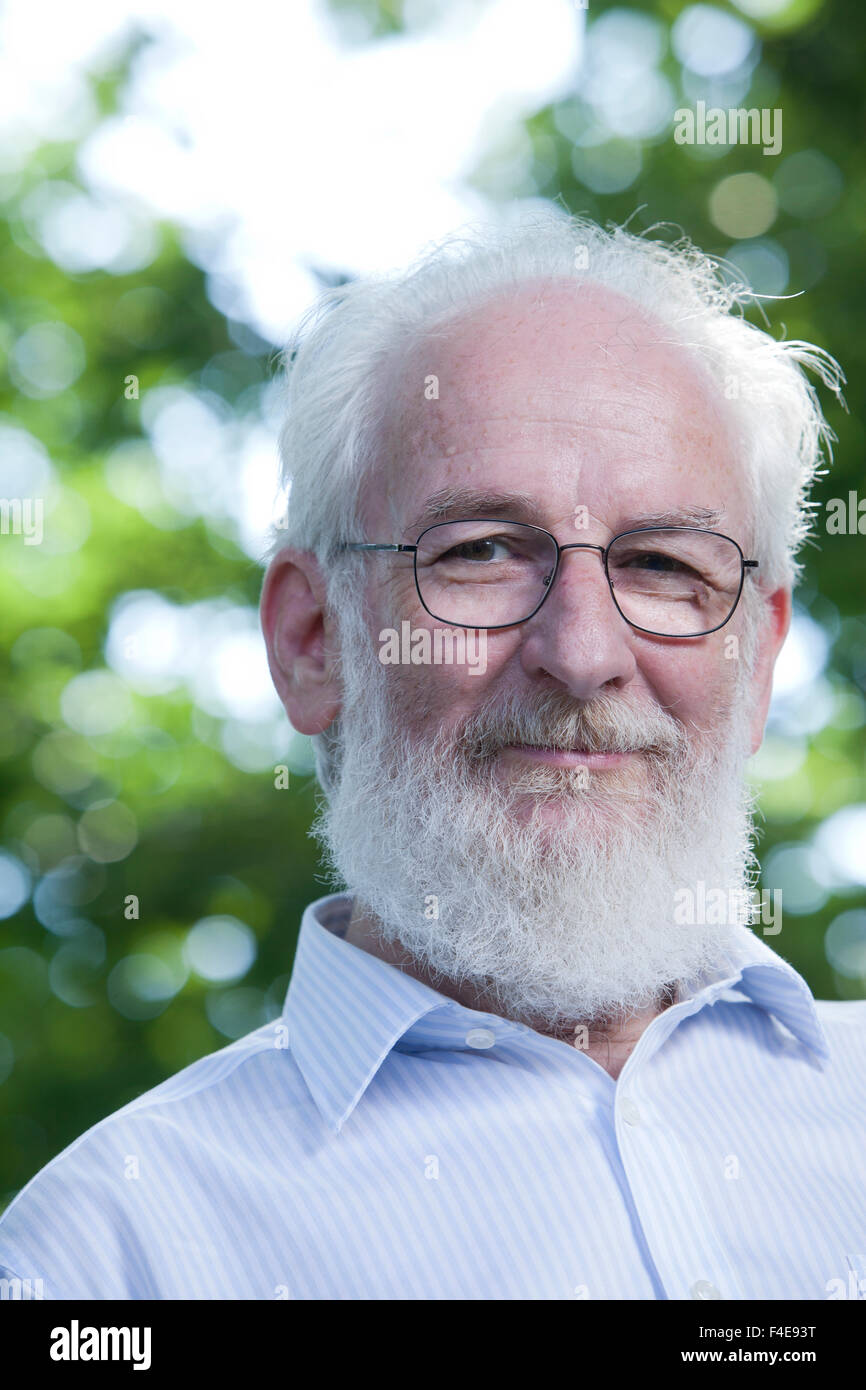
(205, 837)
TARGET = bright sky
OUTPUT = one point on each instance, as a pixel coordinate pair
(271, 130)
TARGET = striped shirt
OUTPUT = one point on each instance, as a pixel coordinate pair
(380, 1141)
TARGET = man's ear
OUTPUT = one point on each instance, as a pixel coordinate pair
(301, 640)
(772, 634)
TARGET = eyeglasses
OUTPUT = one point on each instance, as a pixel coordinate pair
(670, 581)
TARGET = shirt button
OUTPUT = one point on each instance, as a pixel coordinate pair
(704, 1289)
(480, 1037)
(629, 1111)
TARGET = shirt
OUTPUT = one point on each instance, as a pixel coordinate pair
(379, 1140)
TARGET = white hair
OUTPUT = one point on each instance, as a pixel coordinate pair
(339, 378)
(337, 400)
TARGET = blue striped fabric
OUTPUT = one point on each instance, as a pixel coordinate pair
(380, 1141)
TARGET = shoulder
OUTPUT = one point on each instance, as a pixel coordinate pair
(88, 1224)
(843, 1019)
(259, 1064)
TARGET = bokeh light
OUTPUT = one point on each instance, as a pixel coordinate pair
(743, 205)
(75, 970)
(141, 986)
(220, 948)
(794, 870)
(14, 884)
(607, 168)
(841, 841)
(51, 838)
(47, 359)
(26, 468)
(95, 702)
(64, 763)
(845, 944)
(235, 1012)
(81, 233)
(59, 894)
(711, 41)
(763, 263)
(107, 831)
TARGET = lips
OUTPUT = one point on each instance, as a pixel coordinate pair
(568, 757)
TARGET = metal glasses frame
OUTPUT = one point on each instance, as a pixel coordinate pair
(604, 551)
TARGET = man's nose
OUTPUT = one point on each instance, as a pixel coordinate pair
(578, 636)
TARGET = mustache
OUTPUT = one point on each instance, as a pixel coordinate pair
(605, 724)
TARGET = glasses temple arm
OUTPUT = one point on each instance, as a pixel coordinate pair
(364, 545)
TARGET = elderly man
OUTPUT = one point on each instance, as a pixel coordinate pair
(519, 1059)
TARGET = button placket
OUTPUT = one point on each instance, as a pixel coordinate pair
(648, 1160)
(629, 1111)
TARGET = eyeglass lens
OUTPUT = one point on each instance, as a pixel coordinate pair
(672, 582)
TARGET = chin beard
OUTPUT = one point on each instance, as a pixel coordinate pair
(550, 894)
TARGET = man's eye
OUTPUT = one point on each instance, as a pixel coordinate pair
(485, 548)
(654, 560)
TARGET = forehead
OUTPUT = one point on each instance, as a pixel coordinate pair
(567, 394)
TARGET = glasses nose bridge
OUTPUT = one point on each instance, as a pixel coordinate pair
(576, 545)
(582, 545)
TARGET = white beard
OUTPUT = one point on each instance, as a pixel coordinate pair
(553, 922)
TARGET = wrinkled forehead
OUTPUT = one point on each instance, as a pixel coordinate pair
(543, 382)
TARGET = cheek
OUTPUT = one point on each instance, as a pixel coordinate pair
(445, 692)
(695, 683)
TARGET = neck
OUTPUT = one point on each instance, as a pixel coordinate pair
(610, 1045)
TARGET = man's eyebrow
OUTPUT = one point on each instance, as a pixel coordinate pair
(675, 516)
(466, 503)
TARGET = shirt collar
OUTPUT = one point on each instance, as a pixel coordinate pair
(345, 1009)
(775, 986)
